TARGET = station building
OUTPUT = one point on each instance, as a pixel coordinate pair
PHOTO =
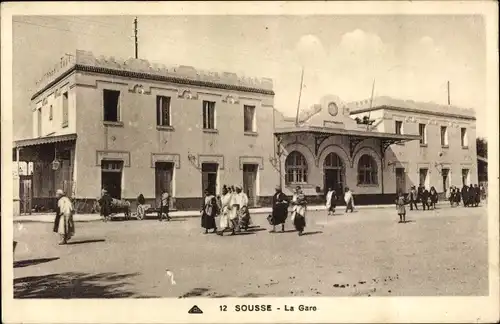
(134, 127)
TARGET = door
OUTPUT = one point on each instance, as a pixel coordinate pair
(400, 180)
(333, 170)
(111, 178)
(423, 178)
(25, 194)
(465, 177)
(445, 174)
(209, 177)
(164, 172)
(250, 183)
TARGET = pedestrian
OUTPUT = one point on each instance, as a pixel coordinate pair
(425, 199)
(450, 195)
(400, 207)
(433, 197)
(209, 212)
(458, 196)
(413, 198)
(243, 212)
(234, 209)
(477, 195)
(225, 209)
(472, 196)
(349, 200)
(465, 195)
(483, 192)
(299, 203)
(164, 206)
(279, 211)
(331, 198)
(63, 223)
(105, 203)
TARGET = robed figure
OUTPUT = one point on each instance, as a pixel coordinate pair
(209, 212)
(279, 211)
(63, 223)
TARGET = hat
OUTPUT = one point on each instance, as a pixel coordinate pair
(238, 187)
(277, 187)
(59, 192)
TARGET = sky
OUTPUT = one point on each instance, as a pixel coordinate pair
(409, 57)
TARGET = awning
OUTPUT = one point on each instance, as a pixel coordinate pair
(355, 136)
(44, 140)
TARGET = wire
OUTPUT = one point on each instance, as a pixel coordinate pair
(63, 29)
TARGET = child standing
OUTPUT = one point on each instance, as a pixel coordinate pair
(400, 207)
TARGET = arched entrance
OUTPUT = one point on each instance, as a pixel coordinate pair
(334, 173)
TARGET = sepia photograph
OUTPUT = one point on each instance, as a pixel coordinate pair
(230, 161)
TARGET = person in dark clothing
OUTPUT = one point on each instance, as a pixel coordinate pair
(164, 206)
(472, 196)
(279, 211)
(425, 199)
(451, 197)
(208, 212)
(477, 192)
(433, 197)
(105, 205)
(465, 195)
(413, 198)
(141, 200)
(458, 196)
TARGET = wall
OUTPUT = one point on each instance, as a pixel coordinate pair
(54, 96)
(138, 137)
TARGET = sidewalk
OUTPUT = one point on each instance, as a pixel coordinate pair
(49, 217)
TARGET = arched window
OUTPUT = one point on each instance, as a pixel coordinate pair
(367, 170)
(296, 168)
(333, 161)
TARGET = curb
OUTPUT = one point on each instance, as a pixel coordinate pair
(187, 214)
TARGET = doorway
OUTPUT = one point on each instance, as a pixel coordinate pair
(250, 183)
(26, 193)
(423, 178)
(209, 177)
(445, 175)
(111, 178)
(400, 180)
(465, 177)
(333, 170)
(164, 172)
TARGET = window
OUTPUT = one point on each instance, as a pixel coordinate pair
(111, 100)
(463, 137)
(367, 170)
(208, 115)
(65, 110)
(398, 127)
(163, 111)
(39, 124)
(422, 133)
(444, 136)
(51, 112)
(296, 168)
(249, 119)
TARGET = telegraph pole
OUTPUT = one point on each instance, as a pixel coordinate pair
(135, 38)
(300, 94)
(449, 101)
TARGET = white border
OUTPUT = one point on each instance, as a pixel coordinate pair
(390, 309)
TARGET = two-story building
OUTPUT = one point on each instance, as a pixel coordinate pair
(133, 127)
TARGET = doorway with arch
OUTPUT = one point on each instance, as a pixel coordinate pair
(334, 173)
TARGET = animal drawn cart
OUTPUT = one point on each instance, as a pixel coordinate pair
(117, 206)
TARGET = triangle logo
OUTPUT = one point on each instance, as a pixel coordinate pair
(195, 310)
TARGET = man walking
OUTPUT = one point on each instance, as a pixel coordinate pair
(413, 198)
(164, 206)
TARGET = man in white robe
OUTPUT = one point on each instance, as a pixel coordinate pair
(63, 224)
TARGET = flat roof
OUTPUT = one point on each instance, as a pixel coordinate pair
(345, 132)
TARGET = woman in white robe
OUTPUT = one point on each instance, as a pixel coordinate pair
(225, 222)
(234, 209)
(349, 200)
(63, 224)
(299, 210)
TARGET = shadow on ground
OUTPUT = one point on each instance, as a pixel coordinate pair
(75, 285)
(27, 263)
(85, 241)
(207, 293)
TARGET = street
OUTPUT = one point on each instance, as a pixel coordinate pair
(366, 253)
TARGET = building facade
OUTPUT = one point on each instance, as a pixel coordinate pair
(133, 127)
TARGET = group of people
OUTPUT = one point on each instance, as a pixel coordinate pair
(231, 206)
(428, 198)
(470, 195)
(332, 198)
(280, 210)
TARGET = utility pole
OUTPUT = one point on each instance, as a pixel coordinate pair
(300, 94)
(135, 38)
(449, 101)
(371, 105)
